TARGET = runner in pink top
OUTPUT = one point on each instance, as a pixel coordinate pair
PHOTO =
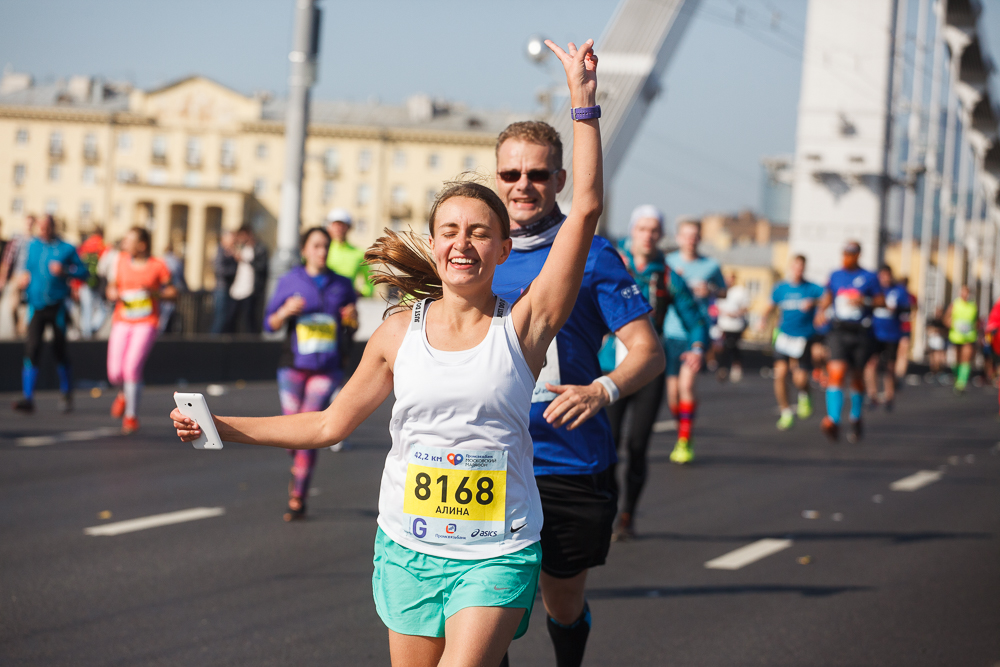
(138, 285)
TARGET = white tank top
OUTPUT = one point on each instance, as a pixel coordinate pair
(458, 481)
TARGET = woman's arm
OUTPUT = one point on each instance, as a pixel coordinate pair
(553, 293)
(366, 390)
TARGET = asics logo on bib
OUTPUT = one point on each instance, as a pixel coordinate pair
(485, 533)
(455, 459)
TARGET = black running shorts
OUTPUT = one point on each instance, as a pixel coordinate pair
(887, 350)
(855, 346)
(578, 511)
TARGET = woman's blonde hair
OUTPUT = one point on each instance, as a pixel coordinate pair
(404, 261)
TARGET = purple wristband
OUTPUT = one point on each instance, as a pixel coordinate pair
(585, 113)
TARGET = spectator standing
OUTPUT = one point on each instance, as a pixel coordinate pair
(11, 263)
(175, 264)
(248, 286)
(732, 323)
(93, 310)
(225, 271)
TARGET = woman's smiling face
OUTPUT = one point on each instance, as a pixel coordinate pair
(467, 243)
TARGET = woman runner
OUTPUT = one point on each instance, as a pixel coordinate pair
(456, 554)
(312, 301)
(138, 284)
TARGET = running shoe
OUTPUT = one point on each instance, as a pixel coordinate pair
(805, 406)
(66, 403)
(786, 421)
(889, 405)
(682, 452)
(871, 402)
(624, 528)
(736, 374)
(130, 425)
(296, 509)
(854, 433)
(830, 428)
(118, 407)
(25, 405)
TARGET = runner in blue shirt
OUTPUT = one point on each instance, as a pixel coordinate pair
(887, 326)
(49, 264)
(853, 293)
(795, 301)
(573, 447)
(703, 276)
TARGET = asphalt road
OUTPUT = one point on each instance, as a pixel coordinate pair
(871, 576)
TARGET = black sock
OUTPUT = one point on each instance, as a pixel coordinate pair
(570, 641)
(505, 662)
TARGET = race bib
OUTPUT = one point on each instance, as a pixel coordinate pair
(316, 333)
(882, 313)
(455, 496)
(790, 346)
(138, 303)
(846, 305)
(963, 328)
(550, 374)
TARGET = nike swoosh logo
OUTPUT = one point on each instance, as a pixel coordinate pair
(514, 530)
(497, 588)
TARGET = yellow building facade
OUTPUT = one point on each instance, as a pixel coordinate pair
(194, 158)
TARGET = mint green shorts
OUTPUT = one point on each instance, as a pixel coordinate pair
(415, 593)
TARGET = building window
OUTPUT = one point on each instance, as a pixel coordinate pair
(399, 160)
(398, 195)
(52, 206)
(432, 196)
(55, 172)
(124, 142)
(192, 156)
(469, 163)
(259, 186)
(56, 144)
(331, 161)
(159, 149)
(85, 210)
(227, 154)
(434, 161)
(226, 182)
(90, 147)
(17, 205)
(261, 151)
(364, 160)
(22, 137)
(364, 194)
(192, 179)
(126, 175)
(89, 175)
(157, 176)
(328, 190)
(19, 171)
(360, 225)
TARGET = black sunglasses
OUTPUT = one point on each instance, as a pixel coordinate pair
(534, 175)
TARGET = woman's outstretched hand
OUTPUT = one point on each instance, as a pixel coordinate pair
(187, 428)
(581, 71)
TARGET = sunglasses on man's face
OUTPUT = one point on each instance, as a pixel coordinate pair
(534, 175)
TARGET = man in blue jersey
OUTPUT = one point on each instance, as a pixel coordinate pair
(49, 264)
(887, 327)
(684, 355)
(795, 300)
(853, 293)
(574, 448)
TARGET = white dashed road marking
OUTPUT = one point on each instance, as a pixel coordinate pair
(665, 426)
(68, 436)
(155, 521)
(917, 480)
(751, 553)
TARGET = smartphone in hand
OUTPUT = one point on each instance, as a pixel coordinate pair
(195, 407)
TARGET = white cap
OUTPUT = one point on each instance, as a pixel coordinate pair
(339, 215)
(645, 211)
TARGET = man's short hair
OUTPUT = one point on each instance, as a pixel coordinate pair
(688, 221)
(534, 132)
(799, 258)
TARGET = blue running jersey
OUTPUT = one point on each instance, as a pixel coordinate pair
(797, 304)
(852, 292)
(608, 300)
(886, 322)
(694, 273)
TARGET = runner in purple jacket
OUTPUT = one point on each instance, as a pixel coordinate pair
(312, 302)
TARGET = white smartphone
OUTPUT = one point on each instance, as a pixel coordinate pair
(195, 407)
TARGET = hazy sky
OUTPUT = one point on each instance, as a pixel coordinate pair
(729, 98)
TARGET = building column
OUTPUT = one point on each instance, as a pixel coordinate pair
(161, 225)
(194, 263)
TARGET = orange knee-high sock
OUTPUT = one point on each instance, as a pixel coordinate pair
(685, 417)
